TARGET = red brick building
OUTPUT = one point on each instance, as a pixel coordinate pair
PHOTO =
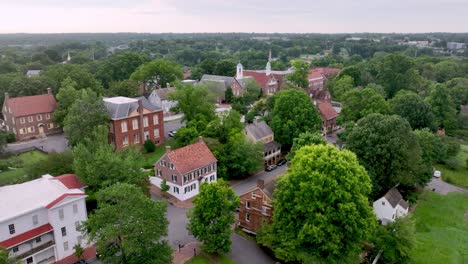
(328, 115)
(133, 121)
(184, 169)
(255, 206)
(30, 116)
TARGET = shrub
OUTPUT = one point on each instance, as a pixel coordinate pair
(15, 162)
(149, 146)
(4, 165)
(11, 138)
(452, 163)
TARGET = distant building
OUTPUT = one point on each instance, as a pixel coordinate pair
(33, 73)
(184, 169)
(160, 98)
(328, 115)
(456, 45)
(30, 116)
(255, 206)
(259, 131)
(133, 121)
(319, 75)
(218, 85)
(390, 207)
(40, 220)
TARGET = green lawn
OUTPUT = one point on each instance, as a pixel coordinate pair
(204, 259)
(151, 158)
(19, 175)
(441, 228)
(460, 175)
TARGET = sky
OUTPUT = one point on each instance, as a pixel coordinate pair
(284, 16)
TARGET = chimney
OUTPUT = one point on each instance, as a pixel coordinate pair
(7, 96)
(49, 90)
(200, 139)
(140, 106)
(261, 184)
(168, 149)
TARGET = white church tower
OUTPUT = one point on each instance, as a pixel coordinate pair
(240, 71)
(268, 65)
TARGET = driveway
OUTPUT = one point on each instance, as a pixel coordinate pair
(171, 126)
(249, 183)
(439, 186)
(57, 143)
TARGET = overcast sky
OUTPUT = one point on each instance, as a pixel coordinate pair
(323, 16)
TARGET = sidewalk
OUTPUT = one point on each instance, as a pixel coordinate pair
(171, 199)
(184, 254)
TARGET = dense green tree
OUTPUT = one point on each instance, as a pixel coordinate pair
(223, 127)
(5, 259)
(341, 86)
(7, 66)
(99, 166)
(414, 109)
(354, 72)
(459, 92)
(306, 139)
(208, 66)
(84, 115)
(387, 148)
(446, 70)
(54, 164)
(66, 96)
(158, 72)
(443, 107)
(290, 119)
(57, 73)
(119, 67)
(396, 241)
(185, 136)
(128, 226)
(225, 68)
(211, 217)
(300, 74)
(42, 58)
(360, 103)
(127, 88)
(322, 213)
(193, 101)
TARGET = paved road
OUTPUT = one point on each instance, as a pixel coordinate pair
(170, 126)
(247, 251)
(439, 186)
(249, 183)
(57, 143)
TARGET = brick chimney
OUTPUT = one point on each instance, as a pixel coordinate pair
(200, 139)
(140, 106)
(260, 183)
(7, 96)
(168, 149)
(49, 90)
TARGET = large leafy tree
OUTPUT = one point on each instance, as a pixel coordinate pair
(322, 212)
(435, 148)
(225, 68)
(387, 148)
(127, 88)
(57, 73)
(293, 113)
(193, 101)
(459, 92)
(446, 70)
(359, 103)
(300, 74)
(128, 226)
(119, 67)
(443, 107)
(414, 109)
(55, 164)
(84, 115)
(5, 259)
(306, 139)
(99, 166)
(66, 96)
(158, 72)
(340, 86)
(211, 217)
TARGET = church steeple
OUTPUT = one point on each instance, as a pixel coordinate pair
(268, 65)
(240, 71)
(68, 57)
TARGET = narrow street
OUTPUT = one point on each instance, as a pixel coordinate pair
(249, 183)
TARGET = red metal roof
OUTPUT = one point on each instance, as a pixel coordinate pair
(313, 74)
(26, 236)
(327, 111)
(327, 71)
(63, 196)
(70, 181)
(191, 157)
(31, 105)
(260, 77)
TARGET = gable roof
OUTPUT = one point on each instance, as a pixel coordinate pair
(270, 188)
(326, 110)
(70, 181)
(121, 107)
(259, 129)
(191, 157)
(244, 81)
(260, 77)
(31, 105)
(217, 78)
(394, 197)
(162, 93)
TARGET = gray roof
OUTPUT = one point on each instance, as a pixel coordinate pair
(121, 107)
(394, 198)
(259, 129)
(216, 78)
(245, 80)
(270, 188)
(272, 145)
(33, 72)
(163, 92)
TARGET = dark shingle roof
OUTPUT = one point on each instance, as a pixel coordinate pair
(121, 107)
(270, 188)
(259, 129)
(163, 92)
(394, 198)
(217, 78)
(272, 145)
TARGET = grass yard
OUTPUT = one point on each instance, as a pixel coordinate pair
(441, 228)
(460, 175)
(151, 158)
(19, 175)
(204, 259)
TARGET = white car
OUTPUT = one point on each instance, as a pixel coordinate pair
(172, 133)
(437, 174)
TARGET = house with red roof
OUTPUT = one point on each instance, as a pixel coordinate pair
(185, 169)
(30, 116)
(40, 220)
(328, 115)
(319, 75)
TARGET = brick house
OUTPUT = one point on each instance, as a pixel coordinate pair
(328, 116)
(259, 131)
(30, 116)
(133, 121)
(256, 207)
(184, 169)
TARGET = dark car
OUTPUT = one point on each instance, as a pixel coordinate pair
(271, 167)
(281, 162)
(81, 262)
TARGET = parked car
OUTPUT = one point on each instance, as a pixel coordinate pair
(172, 133)
(281, 162)
(81, 262)
(271, 167)
(437, 174)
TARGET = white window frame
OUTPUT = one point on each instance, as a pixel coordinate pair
(47, 116)
(30, 119)
(156, 133)
(136, 138)
(61, 214)
(65, 246)
(22, 120)
(155, 119)
(35, 219)
(125, 140)
(247, 217)
(63, 231)
(75, 208)
(39, 117)
(123, 126)
(50, 125)
(145, 121)
(135, 123)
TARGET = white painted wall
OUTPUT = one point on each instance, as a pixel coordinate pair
(23, 223)
(181, 195)
(384, 212)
